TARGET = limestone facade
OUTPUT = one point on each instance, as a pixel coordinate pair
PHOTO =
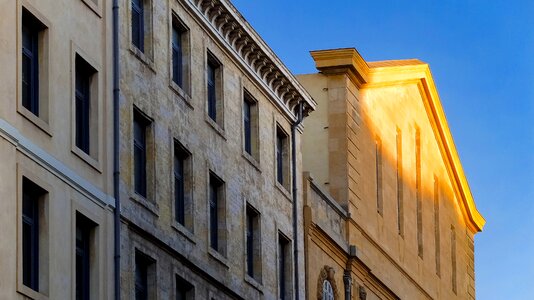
(387, 208)
(182, 253)
(47, 181)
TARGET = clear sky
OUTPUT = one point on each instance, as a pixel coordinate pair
(481, 54)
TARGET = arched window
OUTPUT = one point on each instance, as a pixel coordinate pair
(328, 291)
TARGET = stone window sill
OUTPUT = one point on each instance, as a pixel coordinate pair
(145, 203)
(181, 94)
(218, 257)
(215, 126)
(283, 190)
(252, 161)
(40, 123)
(143, 58)
(184, 231)
(254, 283)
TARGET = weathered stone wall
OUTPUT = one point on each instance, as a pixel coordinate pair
(145, 84)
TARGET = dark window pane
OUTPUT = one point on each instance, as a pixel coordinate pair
(250, 244)
(30, 63)
(214, 217)
(138, 28)
(212, 96)
(30, 235)
(82, 259)
(247, 127)
(83, 75)
(280, 158)
(141, 278)
(177, 64)
(282, 268)
(140, 155)
(179, 189)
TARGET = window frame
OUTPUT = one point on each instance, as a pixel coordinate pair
(149, 263)
(139, 9)
(42, 120)
(93, 129)
(253, 262)
(284, 267)
(180, 152)
(217, 233)
(214, 93)
(282, 160)
(250, 132)
(46, 193)
(90, 259)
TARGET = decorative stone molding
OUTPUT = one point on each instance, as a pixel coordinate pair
(362, 293)
(256, 55)
(327, 273)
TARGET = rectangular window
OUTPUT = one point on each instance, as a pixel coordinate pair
(419, 204)
(184, 290)
(84, 251)
(378, 172)
(250, 125)
(178, 35)
(138, 24)
(400, 201)
(141, 125)
(253, 243)
(282, 157)
(84, 73)
(217, 217)
(32, 209)
(214, 89)
(437, 241)
(31, 29)
(145, 277)
(181, 184)
(284, 268)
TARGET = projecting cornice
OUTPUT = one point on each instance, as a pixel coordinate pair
(248, 47)
(395, 72)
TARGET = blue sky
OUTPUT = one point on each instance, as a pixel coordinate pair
(481, 56)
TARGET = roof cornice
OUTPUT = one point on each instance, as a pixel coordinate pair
(229, 26)
(395, 72)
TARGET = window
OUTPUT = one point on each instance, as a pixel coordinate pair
(182, 185)
(184, 290)
(179, 41)
(282, 157)
(214, 90)
(328, 291)
(141, 126)
(250, 125)
(217, 223)
(31, 66)
(138, 24)
(284, 268)
(145, 277)
(253, 243)
(84, 251)
(32, 229)
(83, 98)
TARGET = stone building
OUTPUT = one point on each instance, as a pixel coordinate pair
(56, 208)
(387, 209)
(208, 114)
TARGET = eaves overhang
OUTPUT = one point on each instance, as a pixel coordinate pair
(395, 72)
(229, 27)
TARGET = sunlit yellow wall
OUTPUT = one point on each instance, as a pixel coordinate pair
(356, 115)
